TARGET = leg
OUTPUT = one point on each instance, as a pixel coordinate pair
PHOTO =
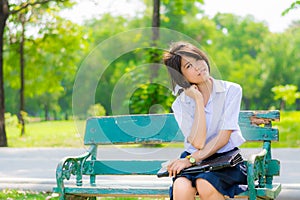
(206, 191)
(183, 189)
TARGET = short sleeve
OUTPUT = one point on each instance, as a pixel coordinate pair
(232, 108)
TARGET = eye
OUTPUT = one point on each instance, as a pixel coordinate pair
(189, 65)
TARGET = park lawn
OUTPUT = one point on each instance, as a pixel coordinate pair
(21, 195)
(70, 133)
(47, 134)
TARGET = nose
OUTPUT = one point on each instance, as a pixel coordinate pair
(197, 67)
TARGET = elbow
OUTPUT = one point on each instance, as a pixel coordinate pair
(199, 145)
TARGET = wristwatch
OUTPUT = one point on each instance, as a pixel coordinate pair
(191, 159)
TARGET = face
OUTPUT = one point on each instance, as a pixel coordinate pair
(195, 71)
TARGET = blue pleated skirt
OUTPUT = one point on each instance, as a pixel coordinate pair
(228, 181)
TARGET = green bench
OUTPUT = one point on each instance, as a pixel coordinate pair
(88, 177)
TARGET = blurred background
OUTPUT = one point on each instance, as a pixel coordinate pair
(253, 43)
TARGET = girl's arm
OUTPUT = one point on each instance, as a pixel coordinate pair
(213, 146)
(197, 135)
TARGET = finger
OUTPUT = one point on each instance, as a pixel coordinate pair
(178, 171)
(170, 165)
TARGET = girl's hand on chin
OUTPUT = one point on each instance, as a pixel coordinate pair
(193, 92)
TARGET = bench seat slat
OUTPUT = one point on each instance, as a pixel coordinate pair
(120, 190)
(122, 167)
(138, 188)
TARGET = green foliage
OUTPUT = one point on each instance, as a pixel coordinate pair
(286, 93)
(151, 98)
(11, 120)
(293, 6)
(96, 110)
(279, 62)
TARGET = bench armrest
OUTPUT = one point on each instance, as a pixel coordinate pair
(256, 170)
(71, 166)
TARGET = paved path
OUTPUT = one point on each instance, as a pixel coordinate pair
(34, 168)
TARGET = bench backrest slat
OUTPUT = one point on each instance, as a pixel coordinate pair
(158, 128)
(132, 129)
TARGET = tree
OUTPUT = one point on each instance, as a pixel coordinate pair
(279, 61)
(287, 94)
(4, 13)
(236, 51)
(7, 9)
(293, 6)
(28, 18)
(55, 57)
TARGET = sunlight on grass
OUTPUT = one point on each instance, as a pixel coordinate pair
(289, 129)
(46, 134)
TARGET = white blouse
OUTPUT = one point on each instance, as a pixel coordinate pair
(222, 113)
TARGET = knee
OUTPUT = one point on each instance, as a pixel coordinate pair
(182, 183)
(205, 189)
(183, 187)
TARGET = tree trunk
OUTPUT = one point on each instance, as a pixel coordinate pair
(297, 104)
(46, 108)
(3, 17)
(155, 20)
(154, 57)
(22, 78)
(247, 103)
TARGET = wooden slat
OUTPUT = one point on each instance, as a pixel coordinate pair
(256, 133)
(132, 129)
(158, 128)
(122, 167)
(140, 189)
(121, 190)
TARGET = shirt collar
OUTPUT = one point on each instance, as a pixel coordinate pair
(218, 86)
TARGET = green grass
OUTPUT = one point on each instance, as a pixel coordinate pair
(289, 129)
(47, 134)
(22, 195)
(70, 133)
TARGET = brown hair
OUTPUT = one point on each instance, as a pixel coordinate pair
(172, 59)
